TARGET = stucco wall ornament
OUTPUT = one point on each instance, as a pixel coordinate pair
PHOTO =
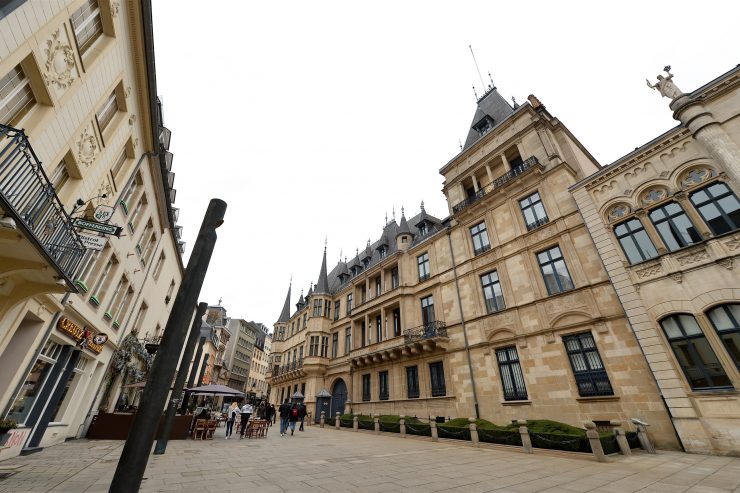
(87, 147)
(618, 211)
(114, 8)
(60, 61)
(653, 195)
(665, 85)
(696, 176)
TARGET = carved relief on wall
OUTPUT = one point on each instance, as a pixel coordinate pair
(693, 257)
(653, 195)
(115, 7)
(542, 234)
(649, 270)
(60, 68)
(87, 146)
(563, 304)
(733, 243)
(618, 211)
(696, 176)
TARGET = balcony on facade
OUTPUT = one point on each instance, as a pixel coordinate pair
(287, 371)
(497, 183)
(425, 338)
(30, 211)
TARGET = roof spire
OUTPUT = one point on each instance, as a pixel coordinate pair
(323, 285)
(491, 79)
(394, 213)
(422, 206)
(285, 314)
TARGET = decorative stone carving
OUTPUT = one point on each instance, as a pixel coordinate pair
(665, 85)
(726, 263)
(601, 327)
(653, 195)
(618, 211)
(115, 7)
(678, 277)
(733, 243)
(549, 337)
(521, 342)
(649, 271)
(87, 147)
(136, 142)
(128, 91)
(542, 234)
(563, 304)
(132, 120)
(60, 61)
(663, 174)
(696, 176)
(628, 191)
(693, 257)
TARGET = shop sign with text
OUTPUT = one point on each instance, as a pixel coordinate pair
(94, 342)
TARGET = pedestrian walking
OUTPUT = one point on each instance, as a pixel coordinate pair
(230, 418)
(246, 412)
(273, 413)
(284, 415)
(293, 417)
(302, 412)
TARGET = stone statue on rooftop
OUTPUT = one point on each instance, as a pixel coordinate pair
(665, 85)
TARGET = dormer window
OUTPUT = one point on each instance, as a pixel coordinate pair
(383, 251)
(423, 229)
(484, 125)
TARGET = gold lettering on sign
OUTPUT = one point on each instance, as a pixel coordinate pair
(75, 332)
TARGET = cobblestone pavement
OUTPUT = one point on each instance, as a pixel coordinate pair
(329, 460)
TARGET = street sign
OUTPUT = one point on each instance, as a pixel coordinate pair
(93, 242)
(103, 213)
(107, 229)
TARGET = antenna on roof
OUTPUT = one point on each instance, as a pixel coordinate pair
(394, 212)
(459, 142)
(386, 219)
(340, 254)
(475, 92)
(478, 69)
(491, 79)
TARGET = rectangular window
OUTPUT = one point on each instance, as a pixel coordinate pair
(363, 294)
(394, 278)
(349, 304)
(533, 211)
(492, 292)
(588, 370)
(479, 234)
(396, 322)
(512, 377)
(378, 329)
(554, 271)
(59, 176)
(674, 226)
(106, 112)
(337, 305)
(437, 375)
(427, 310)
(412, 382)
(324, 346)
(327, 308)
(305, 320)
(347, 340)
(383, 385)
(16, 96)
(118, 165)
(87, 24)
(366, 387)
(377, 286)
(726, 321)
(313, 348)
(316, 308)
(335, 344)
(719, 208)
(423, 264)
(635, 241)
(362, 334)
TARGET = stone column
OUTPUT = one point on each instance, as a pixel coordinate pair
(489, 173)
(322, 420)
(507, 166)
(377, 426)
(593, 440)
(337, 423)
(521, 151)
(475, 183)
(435, 433)
(355, 424)
(624, 446)
(524, 432)
(402, 427)
(473, 432)
(642, 435)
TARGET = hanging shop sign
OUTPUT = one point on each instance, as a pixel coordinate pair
(107, 229)
(103, 213)
(92, 342)
(93, 242)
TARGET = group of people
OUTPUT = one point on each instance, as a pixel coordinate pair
(290, 414)
(244, 414)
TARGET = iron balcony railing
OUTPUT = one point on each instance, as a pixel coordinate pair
(497, 183)
(27, 195)
(288, 367)
(427, 331)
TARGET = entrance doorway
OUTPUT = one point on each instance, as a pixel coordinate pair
(338, 397)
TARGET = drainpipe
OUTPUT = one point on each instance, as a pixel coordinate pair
(462, 322)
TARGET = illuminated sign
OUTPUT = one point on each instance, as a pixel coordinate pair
(75, 332)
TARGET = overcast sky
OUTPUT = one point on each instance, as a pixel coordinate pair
(315, 119)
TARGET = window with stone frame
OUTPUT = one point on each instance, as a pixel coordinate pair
(726, 321)
(316, 308)
(313, 347)
(492, 293)
(383, 385)
(512, 377)
(87, 24)
(324, 346)
(427, 310)
(422, 262)
(16, 96)
(674, 226)
(694, 353)
(412, 382)
(437, 378)
(334, 344)
(634, 240)
(533, 211)
(337, 306)
(588, 369)
(718, 206)
(347, 340)
(554, 271)
(479, 235)
(107, 111)
(349, 304)
(394, 277)
(366, 387)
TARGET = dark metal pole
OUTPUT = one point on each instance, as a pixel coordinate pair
(169, 417)
(193, 372)
(203, 369)
(135, 454)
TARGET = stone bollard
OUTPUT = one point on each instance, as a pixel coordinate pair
(624, 446)
(524, 432)
(355, 424)
(377, 426)
(435, 433)
(322, 419)
(473, 432)
(337, 421)
(593, 440)
(402, 427)
(642, 435)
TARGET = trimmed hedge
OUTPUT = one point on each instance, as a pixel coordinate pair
(500, 436)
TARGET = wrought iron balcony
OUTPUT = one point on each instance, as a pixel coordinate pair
(29, 198)
(495, 184)
(427, 331)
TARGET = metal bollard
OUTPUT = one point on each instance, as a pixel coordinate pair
(337, 422)
(322, 419)
(473, 432)
(624, 446)
(355, 424)
(642, 435)
(593, 440)
(435, 433)
(377, 425)
(524, 432)
(402, 427)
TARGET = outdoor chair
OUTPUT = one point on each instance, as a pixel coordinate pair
(211, 429)
(201, 425)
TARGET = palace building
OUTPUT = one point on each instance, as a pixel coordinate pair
(501, 308)
(89, 246)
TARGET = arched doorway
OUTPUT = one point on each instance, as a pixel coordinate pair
(338, 397)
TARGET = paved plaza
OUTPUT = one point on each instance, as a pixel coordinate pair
(329, 460)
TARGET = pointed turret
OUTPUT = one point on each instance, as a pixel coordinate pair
(285, 314)
(492, 109)
(323, 285)
(403, 236)
(301, 302)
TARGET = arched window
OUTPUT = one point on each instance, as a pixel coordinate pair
(718, 206)
(726, 320)
(693, 352)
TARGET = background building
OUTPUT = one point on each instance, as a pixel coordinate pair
(78, 78)
(239, 352)
(501, 310)
(665, 220)
(257, 383)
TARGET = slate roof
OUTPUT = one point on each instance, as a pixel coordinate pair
(285, 314)
(492, 104)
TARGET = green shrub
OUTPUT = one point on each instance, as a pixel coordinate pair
(7, 424)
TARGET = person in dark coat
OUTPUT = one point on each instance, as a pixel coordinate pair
(293, 416)
(302, 411)
(284, 415)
